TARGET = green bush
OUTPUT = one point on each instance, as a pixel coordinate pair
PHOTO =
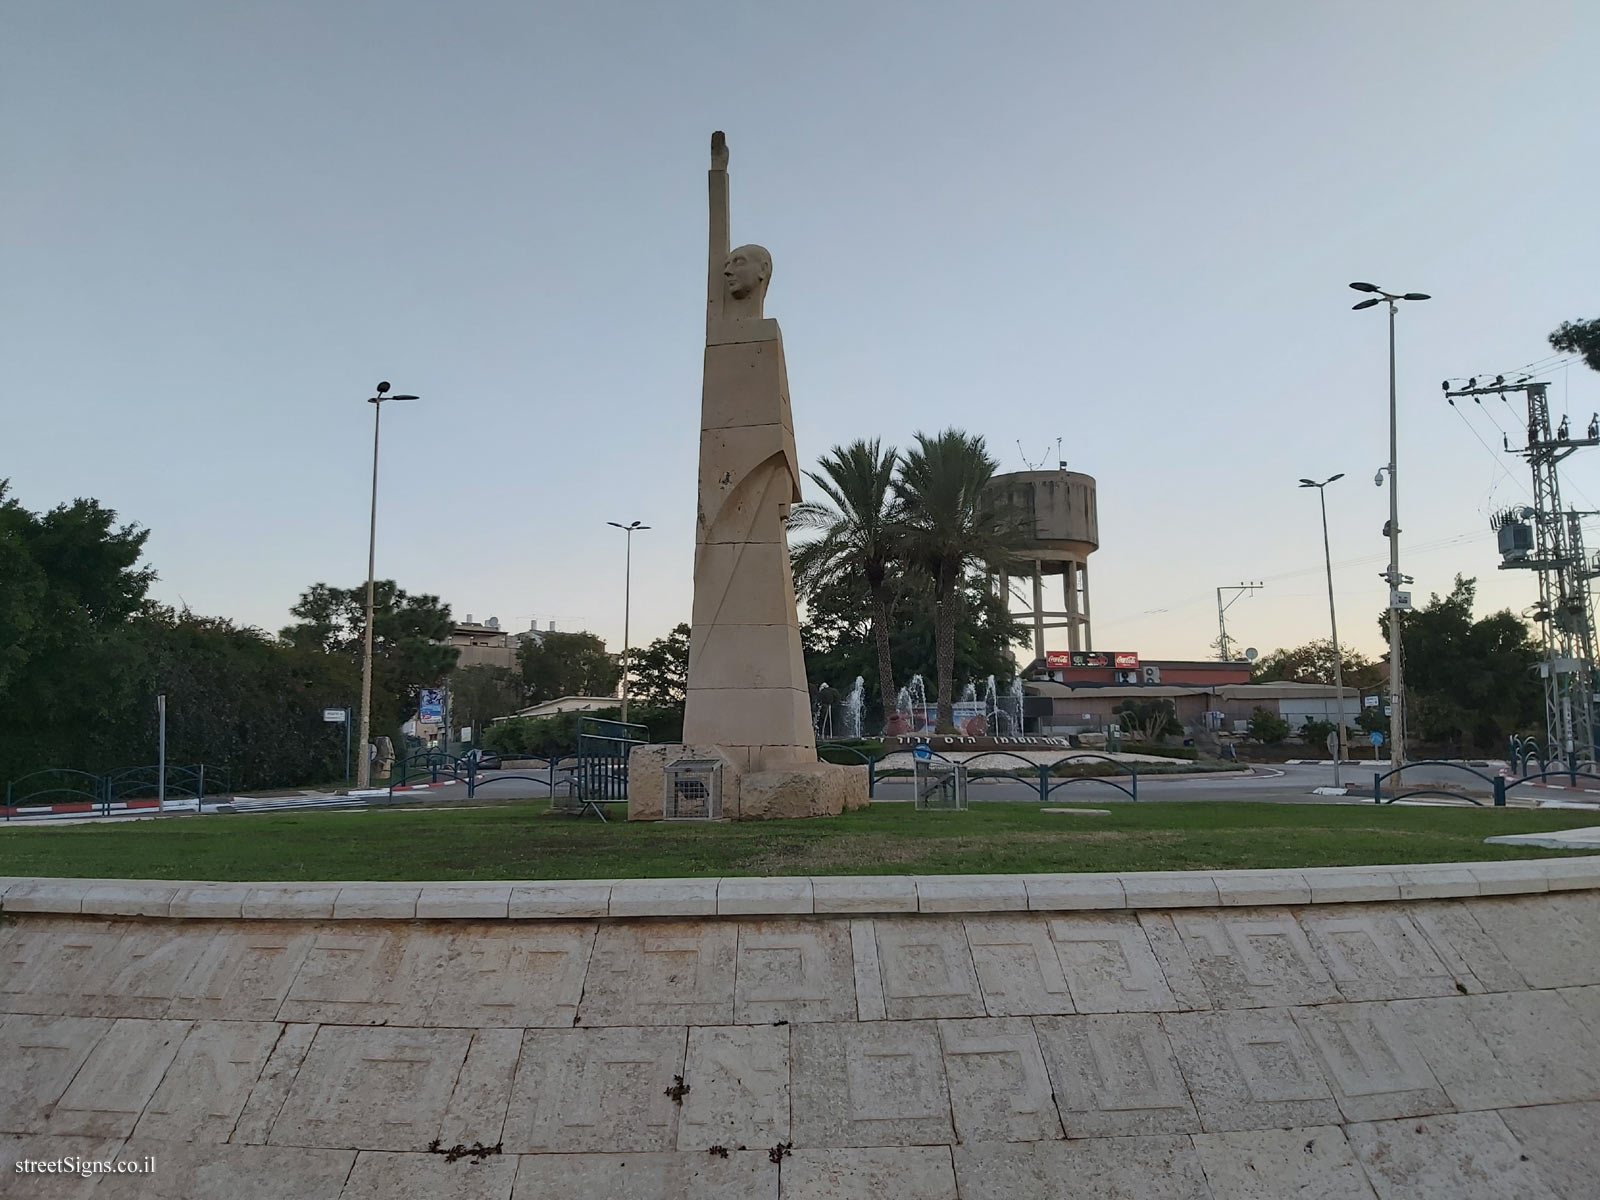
(548, 737)
(1267, 726)
(1153, 748)
(1316, 732)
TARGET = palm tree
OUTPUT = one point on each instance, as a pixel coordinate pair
(857, 535)
(952, 520)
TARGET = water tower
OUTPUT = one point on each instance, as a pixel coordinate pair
(1065, 529)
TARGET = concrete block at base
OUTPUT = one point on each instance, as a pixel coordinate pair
(647, 774)
(802, 790)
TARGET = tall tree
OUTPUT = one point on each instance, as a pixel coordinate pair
(857, 534)
(952, 520)
(1313, 663)
(410, 638)
(1469, 682)
(660, 672)
(567, 664)
(480, 693)
(1579, 337)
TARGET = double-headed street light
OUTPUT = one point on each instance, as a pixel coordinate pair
(627, 589)
(1397, 691)
(1333, 622)
(363, 759)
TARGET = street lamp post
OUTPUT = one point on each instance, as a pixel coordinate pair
(627, 600)
(1397, 691)
(363, 760)
(1333, 624)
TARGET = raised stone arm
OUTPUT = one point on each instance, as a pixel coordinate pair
(717, 178)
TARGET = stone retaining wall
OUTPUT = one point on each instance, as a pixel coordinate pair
(1393, 1032)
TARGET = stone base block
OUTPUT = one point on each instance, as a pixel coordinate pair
(647, 774)
(802, 789)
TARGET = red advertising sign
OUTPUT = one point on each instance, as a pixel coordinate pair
(1121, 660)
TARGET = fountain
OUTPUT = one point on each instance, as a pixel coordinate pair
(1015, 698)
(850, 710)
(969, 695)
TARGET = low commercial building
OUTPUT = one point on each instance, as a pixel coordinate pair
(1089, 707)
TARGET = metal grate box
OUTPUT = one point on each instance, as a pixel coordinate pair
(940, 784)
(693, 790)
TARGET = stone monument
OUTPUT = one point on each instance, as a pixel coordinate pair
(748, 703)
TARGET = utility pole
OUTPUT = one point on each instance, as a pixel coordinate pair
(1239, 589)
(1398, 601)
(1548, 539)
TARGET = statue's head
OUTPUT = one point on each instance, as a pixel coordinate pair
(747, 272)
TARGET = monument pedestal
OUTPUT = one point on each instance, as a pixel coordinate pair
(801, 789)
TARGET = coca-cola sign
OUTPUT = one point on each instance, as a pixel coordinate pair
(1120, 660)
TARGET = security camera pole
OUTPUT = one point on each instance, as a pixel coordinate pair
(1397, 691)
(363, 761)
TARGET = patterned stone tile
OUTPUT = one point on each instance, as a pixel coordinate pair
(1467, 952)
(205, 1089)
(1018, 971)
(878, 1083)
(1376, 954)
(118, 1078)
(1183, 981)
(1109, 965)
(204, 1171)
(477, 1109)
(139, 973)
(1254, 959)
(738, 1077)
(266, 1098)
(1271, 1164)
(244, 972)
(369, 974)
(743, 1175)
(666, 973)
(870, 1004)
(1115, 1075)
(587, 1090)
(923, 1172)
(927, 968)
(1505, 1049)
(41, 1055)
(1559, 1139)
(1376, 1070)
(372, 1089)
(48, 964)
(794, 970)
(1469, 1156)
(1548, 939)
(1250, 1069)
(382, 1176)
(512, 975)
(999, 1088)
(1148, 1168)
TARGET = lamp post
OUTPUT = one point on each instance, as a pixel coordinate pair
(1397, 690)
(627, 600)
(363, 761)
(1333, 624)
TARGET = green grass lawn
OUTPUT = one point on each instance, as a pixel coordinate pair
(520, 841)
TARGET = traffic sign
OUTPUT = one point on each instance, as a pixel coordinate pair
(1377, 737)
(922, 752)
(333, 715)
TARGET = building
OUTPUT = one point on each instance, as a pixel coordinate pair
(565, 704)
(487, 645)
(1087, 707)
(1108, 667)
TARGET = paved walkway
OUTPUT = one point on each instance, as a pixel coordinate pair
(1347, 1034)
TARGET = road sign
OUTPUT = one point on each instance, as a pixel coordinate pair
(922, 752)
(1369, 702)
(333, 715)
(1333, 743)
(1376, 737)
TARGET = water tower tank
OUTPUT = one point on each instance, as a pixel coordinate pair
(1062, 515)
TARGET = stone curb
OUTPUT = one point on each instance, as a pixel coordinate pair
(833, 895)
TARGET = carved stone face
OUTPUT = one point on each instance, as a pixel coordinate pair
(747, 271)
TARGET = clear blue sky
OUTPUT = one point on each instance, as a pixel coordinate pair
(1126, 225)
